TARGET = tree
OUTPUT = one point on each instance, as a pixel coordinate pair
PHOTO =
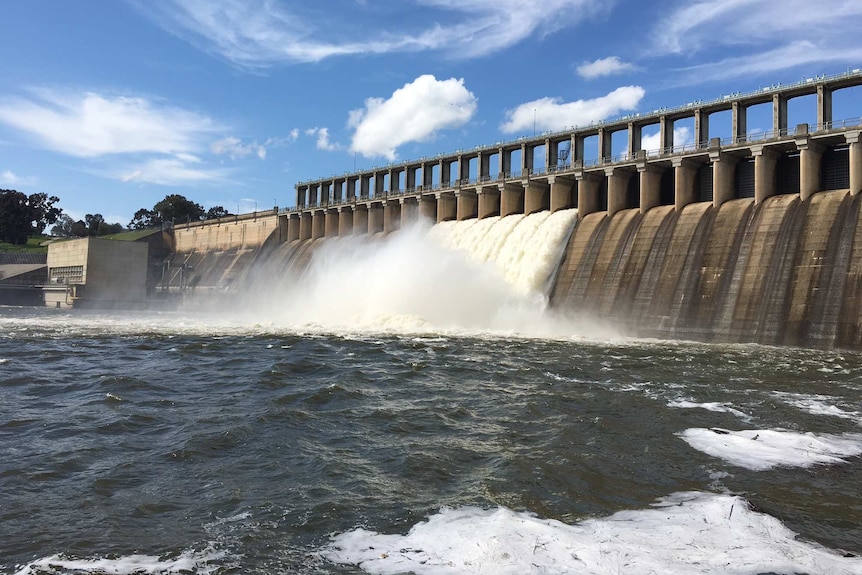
(174, 208)
(63, 227)
(79, 229)
(93, 222)
(217, 212)
(22, 216)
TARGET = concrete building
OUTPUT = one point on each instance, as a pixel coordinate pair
(93, 272)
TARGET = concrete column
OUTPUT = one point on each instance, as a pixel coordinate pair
(318, 224)
(350, 186)
(484, 164)
(537, 197)
(293, 227)
(410, 177)
(551, 155)
(395, 180)
(650, 180)
(391, 216)
(330, 229)
(855, 161)
(427, 175)
(561, 193)
(305, 226)
(588, 192)
(511, 199)
(605, 152)
(634, 139)
(301, 196)
(665, 130)
(618, 182)
(364, 185)
(685, 171)
(701, 129)
(577, 150)
(489, 201)
(379, 184)
(466, 204)
(824, 107)
(739, 122)
(779, 114)
(409, 211)
(375, 218)
(526, 159)
(810, 154)
(765, 161)
(447, 207)
(463, 171)
(428, 207)
(723, 172)
(360, 219)
(345, 221)
(505, 163)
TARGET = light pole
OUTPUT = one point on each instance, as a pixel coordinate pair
(534, 122)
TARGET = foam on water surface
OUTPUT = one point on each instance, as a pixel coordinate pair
(206, 562)
(763, 449)
(692, 533)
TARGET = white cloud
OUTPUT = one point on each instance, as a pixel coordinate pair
(323, 142)
(89, 125)
(294, 134)
(256, 33)
(652, 142)
(765, 36)
(234, 148)
(169, 172)
(553, 114)
(414, 113)
(603, 67)
(9, 178)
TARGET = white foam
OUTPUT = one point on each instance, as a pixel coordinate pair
(817, 405)
(709, 406)
(762, 449)
(3, 361)
(691, 533)
(198, 562)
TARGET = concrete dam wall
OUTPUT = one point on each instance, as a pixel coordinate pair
(785, 271)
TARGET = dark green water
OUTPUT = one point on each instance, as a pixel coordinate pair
(201, 445)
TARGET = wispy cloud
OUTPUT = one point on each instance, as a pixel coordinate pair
(160, 142)
(234, 148)
(603, 67)
(765, 36)
(88, 125)
(554, 114)
(414, 113)
(257, 33)
(323, 142)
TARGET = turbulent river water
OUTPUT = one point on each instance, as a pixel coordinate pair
(241, 442)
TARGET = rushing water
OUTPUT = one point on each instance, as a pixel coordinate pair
(264, 441)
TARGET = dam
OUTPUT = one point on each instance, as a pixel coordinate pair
(748, 238)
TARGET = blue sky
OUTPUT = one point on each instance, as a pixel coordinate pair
(113, 104)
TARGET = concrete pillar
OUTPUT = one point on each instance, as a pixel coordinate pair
(410, 177)
(301, 196)
(561, 193)
(505, 163)
(360, 219)
(409, 211)
(427, 175)
(650, 180)
(379, 184)
(685, 172)
(537, 197)
(345, 221)
(364, 186)
(489, 202)
(765, 161)
(739, 122)
(551, 155)
(330, 229)
(855, 152)
(634, 139)
(618, 182)
(511, 199)
(350, 194)
(526, 159)
(305, 226)
(447, 207)
(577, 150)
(466, 204)
(293, 227)
(824, 107)
(605, 148)
(588, 192)
(391, 216)
(779, 114)
(665, 130)
(723, 172)
(701, 128)
(318, 224)
(810, 154)
(484, 164)
(395, 180)
(375, 218)
(428, 207)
